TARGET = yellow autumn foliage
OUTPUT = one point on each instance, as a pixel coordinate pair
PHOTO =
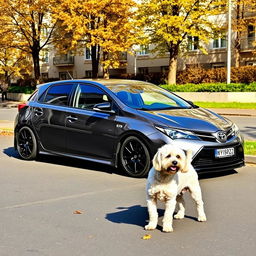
(26, 27)
(107, 24)
(168, 23)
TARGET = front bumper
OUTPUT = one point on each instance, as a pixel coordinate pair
(205, 161)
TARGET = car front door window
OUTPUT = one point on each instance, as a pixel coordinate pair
(88, 96)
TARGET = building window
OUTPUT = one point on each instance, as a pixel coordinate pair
(45, 76)
(193, 43)
(144, 50)
(218, 65)
(88, 73)
(87, 54)
(143, 70)
(45, 56)
(66, 75)
(220, 42)
(250, 35)
(250, 63)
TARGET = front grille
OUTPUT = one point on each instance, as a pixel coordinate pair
(210, 136)
(205, 136)
(206, 158)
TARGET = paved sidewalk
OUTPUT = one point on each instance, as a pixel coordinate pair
(234, 111)
(9, 104)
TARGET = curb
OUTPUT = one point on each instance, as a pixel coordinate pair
(250, 159)
(231, 114)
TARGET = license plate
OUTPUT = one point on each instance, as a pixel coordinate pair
(224, 152)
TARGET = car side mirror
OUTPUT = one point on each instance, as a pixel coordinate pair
(103, 107)
(192, 104)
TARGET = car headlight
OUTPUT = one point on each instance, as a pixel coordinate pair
(178, 134)
(235, 130)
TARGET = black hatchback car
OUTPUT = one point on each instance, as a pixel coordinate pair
(123, 122)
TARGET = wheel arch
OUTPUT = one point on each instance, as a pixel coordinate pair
(19, 127)
(137, 134)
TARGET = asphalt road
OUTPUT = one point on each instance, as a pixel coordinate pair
(246, 124)
(39, 199)
(8, 113)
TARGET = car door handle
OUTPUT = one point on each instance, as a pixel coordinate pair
(39, 111)
(72, 119)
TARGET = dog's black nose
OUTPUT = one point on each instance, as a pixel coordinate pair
(174, 162)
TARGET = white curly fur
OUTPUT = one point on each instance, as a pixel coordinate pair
(171, 175)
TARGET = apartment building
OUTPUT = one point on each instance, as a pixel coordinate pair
(143, 61)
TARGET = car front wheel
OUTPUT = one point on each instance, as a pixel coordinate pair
(134, 157)
(26, 143)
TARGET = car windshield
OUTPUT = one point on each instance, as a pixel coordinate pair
(146, 96)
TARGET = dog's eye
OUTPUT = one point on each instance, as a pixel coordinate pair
(178, 156)
(168, 156)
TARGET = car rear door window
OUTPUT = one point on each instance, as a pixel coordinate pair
(57, 95)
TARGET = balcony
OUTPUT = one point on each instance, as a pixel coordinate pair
(63, 60)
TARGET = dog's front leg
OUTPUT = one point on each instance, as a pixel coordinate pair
(169, 210)
(181, 206)
(197, 196)
(153, 215)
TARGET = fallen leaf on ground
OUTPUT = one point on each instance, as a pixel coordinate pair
(146, 237)
(77, 212)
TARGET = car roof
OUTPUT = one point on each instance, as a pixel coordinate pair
(101, 81)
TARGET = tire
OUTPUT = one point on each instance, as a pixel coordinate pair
(134, 157)
(26, 143)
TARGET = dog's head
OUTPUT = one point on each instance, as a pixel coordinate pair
(170, 159)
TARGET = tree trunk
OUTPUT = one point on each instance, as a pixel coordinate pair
(36, 67)
(237, 45)
(237, 57)
(172, 70)
(105, 68)
(95, 50)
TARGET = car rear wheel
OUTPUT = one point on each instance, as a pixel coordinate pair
(26, 143)
(134, 157)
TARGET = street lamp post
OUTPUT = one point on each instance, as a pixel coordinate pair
(229, 42)
(136, 49)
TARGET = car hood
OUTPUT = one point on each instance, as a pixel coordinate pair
(196, 119)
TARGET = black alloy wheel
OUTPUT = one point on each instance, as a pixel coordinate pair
(134, 157)
(26, 143)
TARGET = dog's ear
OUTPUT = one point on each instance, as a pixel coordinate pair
(188, 160)
(157, 161)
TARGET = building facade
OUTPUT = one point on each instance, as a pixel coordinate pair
(143, 61)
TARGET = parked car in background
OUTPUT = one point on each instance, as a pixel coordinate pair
(123, 123)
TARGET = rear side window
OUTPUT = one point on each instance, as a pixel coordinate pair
(33, 95)
(57, 95)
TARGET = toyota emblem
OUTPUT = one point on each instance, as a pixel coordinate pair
(221, 136)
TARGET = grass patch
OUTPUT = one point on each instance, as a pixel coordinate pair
(237, 105)
(250, 148)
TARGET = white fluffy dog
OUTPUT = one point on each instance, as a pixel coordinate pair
(171, 175)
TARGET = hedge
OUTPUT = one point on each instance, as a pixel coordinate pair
(243, 74)
(212, 87)
(21, 89)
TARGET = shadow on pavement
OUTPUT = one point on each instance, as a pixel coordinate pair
(66, 161)
(83, 164)
(135, 215)
(11, 152)
(216, 174)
